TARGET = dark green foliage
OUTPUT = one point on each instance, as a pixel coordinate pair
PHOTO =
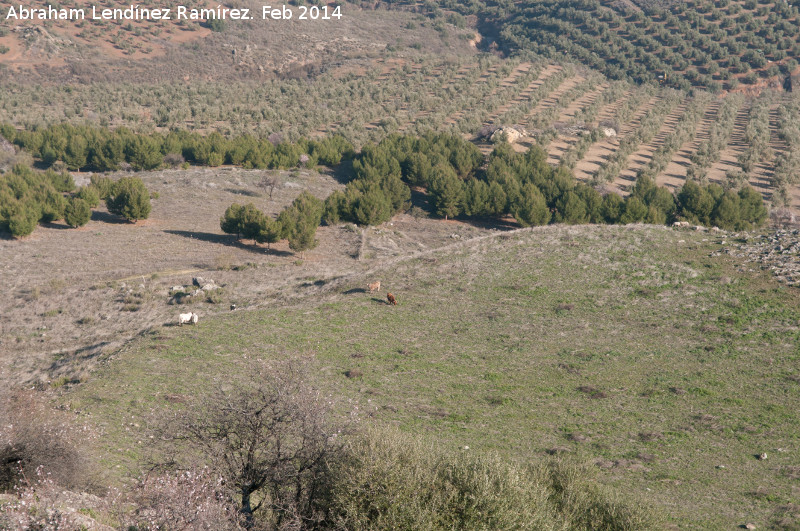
(243, 221)
(418, 169)
(711, 205)
(497, 200)
(331, 150)
(28, 197)
(130, 199)
(612, 208)
(271, 234)
(77, 212)
(300, 220)
(753, 212)
(726, 213)
(371, 207)
(22, 222)
(230, 222)
(252, 222)
(635, 210)
(531, 208)
(101, 149)
(144, 152)
(446, 191)
(476, 199)
(695, 203)
(570, 209)
(593, 201)
(247, 221)
(51, 205)
(335, 208)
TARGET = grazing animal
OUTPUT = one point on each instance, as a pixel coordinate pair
(375, 286)
(186, 318)
(391, 299)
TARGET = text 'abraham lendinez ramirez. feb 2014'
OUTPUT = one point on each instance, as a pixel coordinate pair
(180, 12)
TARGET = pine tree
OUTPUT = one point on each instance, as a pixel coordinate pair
(230, 222)
(635, 210)
(447, 192)
(476, 198)
(130, 199)
(570, 209)
(531, 209)
(497, 201)
(612, 208)
(77, 212)
(726, 214)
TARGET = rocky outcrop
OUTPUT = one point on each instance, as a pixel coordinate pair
(778, 252)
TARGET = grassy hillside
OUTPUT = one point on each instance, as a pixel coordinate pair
(629, 347)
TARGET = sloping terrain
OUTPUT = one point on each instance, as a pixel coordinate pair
(629, 347)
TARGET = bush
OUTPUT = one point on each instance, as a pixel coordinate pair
(77, 213)
(130, 199)
(22, 223)
(390, 480)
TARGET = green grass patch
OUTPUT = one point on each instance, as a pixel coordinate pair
(655, 390)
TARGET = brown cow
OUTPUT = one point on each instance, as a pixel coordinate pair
(391, 299)
(375, 286)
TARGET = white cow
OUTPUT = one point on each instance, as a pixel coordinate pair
(186, 318)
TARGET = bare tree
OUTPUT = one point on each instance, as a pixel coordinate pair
(269, 437)
(268, 183)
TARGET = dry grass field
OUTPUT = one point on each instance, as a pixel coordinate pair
(78, 293)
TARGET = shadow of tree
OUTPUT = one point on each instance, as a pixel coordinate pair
(105, 217)
(248, 193)
(227, 240)
(355, 290)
